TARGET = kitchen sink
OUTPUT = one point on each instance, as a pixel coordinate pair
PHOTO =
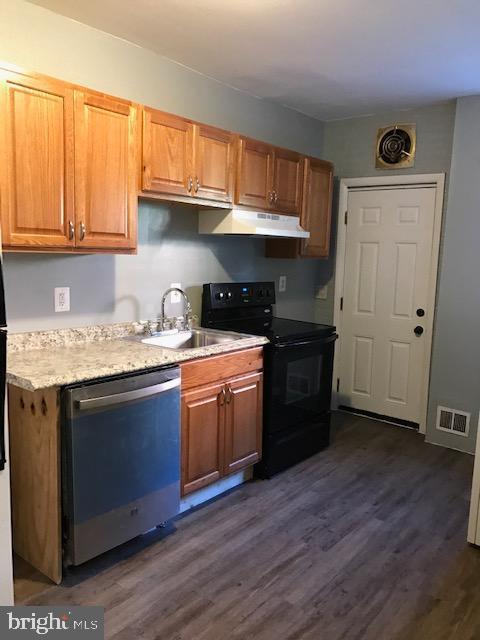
(193, 339)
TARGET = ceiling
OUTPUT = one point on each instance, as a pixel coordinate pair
(326, 58)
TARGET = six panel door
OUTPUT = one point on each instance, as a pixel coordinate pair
(214, 166)
(37, 160)
(243, 422)
(254, 174)
(317, 208)
(287, 182)
(386, 286)
(105, 172)
(202, 436)
(167, 154)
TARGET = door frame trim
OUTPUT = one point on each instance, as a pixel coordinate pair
(436, 180)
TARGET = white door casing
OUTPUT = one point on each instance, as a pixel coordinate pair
(387, 260)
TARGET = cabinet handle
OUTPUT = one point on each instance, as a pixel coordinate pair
(275, 197)
(221, 397)
(270, 197)
(229, 395)
(197, 184)
(189, 184)
(71, 230)
(82, 231)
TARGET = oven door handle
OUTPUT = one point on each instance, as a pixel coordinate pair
(305, 343)
(127, 396)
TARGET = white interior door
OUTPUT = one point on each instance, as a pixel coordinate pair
(384, 334)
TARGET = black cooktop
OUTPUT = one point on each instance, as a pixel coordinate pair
(277, 329)
(247, 307)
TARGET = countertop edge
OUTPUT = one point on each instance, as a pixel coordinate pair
(177, 357)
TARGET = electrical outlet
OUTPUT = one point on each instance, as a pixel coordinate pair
(322, 292)
(62, 299)
(175, 296)
(282, 284)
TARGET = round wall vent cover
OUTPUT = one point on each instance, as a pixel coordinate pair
(396, 146)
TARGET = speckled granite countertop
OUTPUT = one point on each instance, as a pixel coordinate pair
(56, 358)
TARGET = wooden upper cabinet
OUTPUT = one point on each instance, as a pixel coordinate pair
(243, 422)
(287, 182)
(317, 208)
(254, 173)
(105, 171)
(269, 177)
(37, 162)
(214, 163)
(202, 436)
(167, 154)
(315, 217)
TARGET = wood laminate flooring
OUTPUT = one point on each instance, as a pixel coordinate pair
(364, 541)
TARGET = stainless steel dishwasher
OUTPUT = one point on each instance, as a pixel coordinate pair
(120, 460)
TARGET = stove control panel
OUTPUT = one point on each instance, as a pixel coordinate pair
(225, 295)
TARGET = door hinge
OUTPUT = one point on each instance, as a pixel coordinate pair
(346, 217)
(341, 303)
(338, 385)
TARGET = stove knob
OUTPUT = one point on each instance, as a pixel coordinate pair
(229, 295)
(260, 293)
(220, 295)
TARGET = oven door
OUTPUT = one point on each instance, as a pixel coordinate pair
(298, 382)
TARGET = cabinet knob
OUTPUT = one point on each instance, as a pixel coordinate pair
(71, 230)
(189, 184)
(82, 231)
(197, 184)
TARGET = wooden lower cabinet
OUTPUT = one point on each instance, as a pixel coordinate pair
(202, 437)
(243, 422)
(222, 420)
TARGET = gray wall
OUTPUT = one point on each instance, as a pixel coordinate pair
(455, 375)
(350, 144)
(119, 288)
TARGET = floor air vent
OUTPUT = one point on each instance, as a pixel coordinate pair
(453, 421)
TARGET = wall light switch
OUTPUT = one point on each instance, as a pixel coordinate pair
(62, 299)
(175, 296)
(282, 284)
(322, 292)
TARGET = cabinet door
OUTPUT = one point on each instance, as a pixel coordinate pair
(167, 154)
(287, 182)
(243, 422)
(214, 150)
(317, 208)
(202, 436)
(254, 173)
(105, 170)
(36, 162)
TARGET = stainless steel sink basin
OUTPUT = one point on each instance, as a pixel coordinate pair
(193, 339)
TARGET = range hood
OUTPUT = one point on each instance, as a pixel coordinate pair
(250, 223)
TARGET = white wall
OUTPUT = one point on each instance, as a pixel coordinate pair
(6, 582)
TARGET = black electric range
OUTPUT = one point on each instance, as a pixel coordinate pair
(298, 365)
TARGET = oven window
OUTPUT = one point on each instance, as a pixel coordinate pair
(303, 379)
(298, 385)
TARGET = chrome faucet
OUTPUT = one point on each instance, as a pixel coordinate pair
(187, 309)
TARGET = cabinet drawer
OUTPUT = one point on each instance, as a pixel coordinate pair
(196, 373)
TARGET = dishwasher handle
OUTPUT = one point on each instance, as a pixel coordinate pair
(126, 396)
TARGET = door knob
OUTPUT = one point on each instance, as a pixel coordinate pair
(420, 312)
(418, 330)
